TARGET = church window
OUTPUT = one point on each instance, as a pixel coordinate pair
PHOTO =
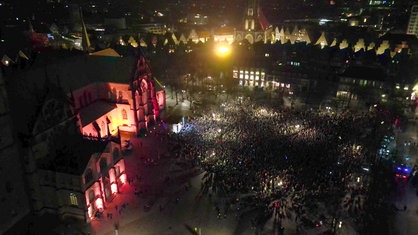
(120, 96)
(91, 196)
(80, 100)
(85, 98)
(103, 164)
(103, 128)
(115, 153)
(124, 115)
(88, 176)
(117, 171)
(73, 199)
(250, 11)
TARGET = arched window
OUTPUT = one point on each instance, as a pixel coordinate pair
(73, 199)
(88, 176)
(80, 100)
(115, 153)
(124, 115)
(91, 196)
(114, 93)
(120, 95)
(117, 171)
(103, 164)
(103, 128)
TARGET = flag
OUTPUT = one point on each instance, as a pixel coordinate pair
(23, 55)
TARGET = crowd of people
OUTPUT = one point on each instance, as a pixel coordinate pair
(303, 157)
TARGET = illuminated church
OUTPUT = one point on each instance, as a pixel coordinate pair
(69, 112)
(256, 27)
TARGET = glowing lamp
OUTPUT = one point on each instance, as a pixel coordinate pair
(222, 50)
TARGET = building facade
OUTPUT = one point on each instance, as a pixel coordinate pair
(256, 28)
(102, 179)
(14, 200)
(69, 118)
(413, 21)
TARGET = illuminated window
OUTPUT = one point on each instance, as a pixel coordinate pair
(117, 171)
(124, 115)
(73, 199)
(120, 95)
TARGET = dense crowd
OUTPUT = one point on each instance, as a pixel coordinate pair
(298, 157)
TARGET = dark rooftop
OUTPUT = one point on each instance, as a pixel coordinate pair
(94, 111)
(365, 72)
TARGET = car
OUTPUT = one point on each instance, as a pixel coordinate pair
(403, 172)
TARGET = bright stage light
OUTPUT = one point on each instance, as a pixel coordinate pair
(222, 50)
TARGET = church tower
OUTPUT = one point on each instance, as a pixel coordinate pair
(256, 27)
(250, 20)
(14, 200)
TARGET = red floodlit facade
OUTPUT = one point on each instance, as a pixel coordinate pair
(102, 179)
(103, 108)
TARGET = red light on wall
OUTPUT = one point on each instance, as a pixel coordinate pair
(90, 212)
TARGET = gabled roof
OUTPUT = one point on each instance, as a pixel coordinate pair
(106, 52)
(73, 70)
(73, 160)
(94, 111)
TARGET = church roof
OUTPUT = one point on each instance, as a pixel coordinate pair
(95, 110)
(74, 70)
(73, 161)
